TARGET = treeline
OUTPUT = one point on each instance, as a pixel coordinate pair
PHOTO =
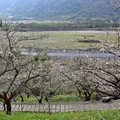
(53, 26)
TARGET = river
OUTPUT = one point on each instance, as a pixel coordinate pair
(81, 55)
(68, 54)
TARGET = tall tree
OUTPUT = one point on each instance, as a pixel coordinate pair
(17, 69)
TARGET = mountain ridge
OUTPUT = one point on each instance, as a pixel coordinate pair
(55, 9)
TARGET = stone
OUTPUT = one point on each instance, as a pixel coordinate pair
(106, 99)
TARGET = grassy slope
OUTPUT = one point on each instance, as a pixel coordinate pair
(91, 115)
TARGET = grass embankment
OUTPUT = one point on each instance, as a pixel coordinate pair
(68, 39)
(91, 115)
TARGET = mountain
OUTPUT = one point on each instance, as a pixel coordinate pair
(55, 9)
(6, 4)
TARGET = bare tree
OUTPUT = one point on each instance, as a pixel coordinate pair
(74, 75)
(107, 71)
(113, 7)
(108, 82)
(17, 69)
(47, 85)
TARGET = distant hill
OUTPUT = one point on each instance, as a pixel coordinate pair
(55, 9)
(4, 4)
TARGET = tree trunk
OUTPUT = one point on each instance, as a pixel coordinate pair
(40, 99)
(8, 104)
(22, 99)
(87, 98)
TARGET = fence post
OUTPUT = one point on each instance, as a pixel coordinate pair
(21, 107)
(49, 109)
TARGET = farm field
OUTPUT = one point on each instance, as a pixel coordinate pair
(90, 115)
(67, 39)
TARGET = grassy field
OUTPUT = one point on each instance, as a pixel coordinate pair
(91, 115)
(68, 39)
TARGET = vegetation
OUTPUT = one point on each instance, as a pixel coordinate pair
(68, 39)
(17, 70)
(55, 99)
(57, 26)
(90, 115)
(45, 79)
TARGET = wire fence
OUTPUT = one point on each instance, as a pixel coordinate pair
(64, 107)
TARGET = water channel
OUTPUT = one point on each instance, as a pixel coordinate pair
(81, 55)
(66, 55)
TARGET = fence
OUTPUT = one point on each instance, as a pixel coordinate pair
(64, 107)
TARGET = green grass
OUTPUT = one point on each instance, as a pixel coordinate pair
(67, 39)
(57, 98)
(91, 115)
(31, 99)
(65, 98)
